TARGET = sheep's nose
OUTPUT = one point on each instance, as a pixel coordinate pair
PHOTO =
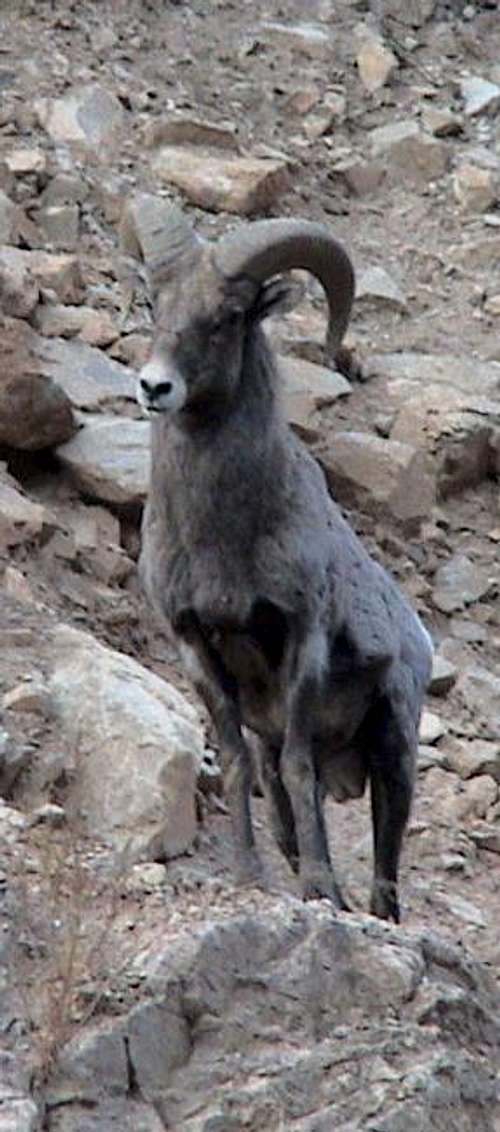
(155, 389)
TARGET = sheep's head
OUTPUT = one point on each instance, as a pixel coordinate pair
(208, 296)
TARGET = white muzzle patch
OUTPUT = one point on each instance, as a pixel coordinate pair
(160, 389)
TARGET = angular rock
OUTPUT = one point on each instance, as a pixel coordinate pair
(138, 745)
(459, 583)
(8, 220)
(89, 378)
(65, 188)
(310, 40)
(185, 129)
(309, 388)
(35, 412)
(478, 253)
(143, 221)
(479, 756)
(21, 520)
(475, 189)
(61, 225)
(242, 185)
(455, 428)
(89, 115)
(361, 177)
(441, 121)
(443, 677)
(479, 691)
(96, 327)
(56, 272)
(432, 728)
(382, 473)
(376, 285)
(408, 149)
(413, 13)
(467, 374)
(376, 64)
(492, 305)
(329, 112)
(24, 160)
(19, 291)
(109, 459)
(480, 96)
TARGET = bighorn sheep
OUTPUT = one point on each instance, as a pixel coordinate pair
(284, 623)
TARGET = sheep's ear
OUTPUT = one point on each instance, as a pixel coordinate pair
(278, 296)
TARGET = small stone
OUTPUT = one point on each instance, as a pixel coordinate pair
(480, 96)
(242, 185)
(185, 129)
(478, 756)
(64, 188)
(8, 220)
(89, 377)
(310, 40)
(376, 285)
(441, 122)
(309, 388)
(21, 520)
(469, 631)
(476, 798)
(464, 373)
(56, 272)
(458, 583)
(376, 64)
(361, 177)
(475, 189)
(49, 814)
(149, 877)
(429, 756)
(19, 291)
(28, 696)
(486, 837)
(61, 225)
(17, 587)
(492, 305)
(35, 413)
(25, 160)
(443, 677)
(328, 114)
(432, 728)
(302, 100)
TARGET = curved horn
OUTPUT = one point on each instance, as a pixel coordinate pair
(267, 247)
(166, 237)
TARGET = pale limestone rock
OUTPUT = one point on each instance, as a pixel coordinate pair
(480, 96)
(61, 225)
(21, 520)
(459, 582)
(376, 285)
(443, 677)
(406, 149)
(24, 160)
(376, 64)
(137, 742)
(432, 728)
(109, 459)
(310, 40)
(89, 116)
(186, 129)
(475, 189)
(31, 695)
(389, 474)
(8, 220)
(309, 388)
(88, 376)
(441, 121)
(242, 185)
(56, 271)
(467, 374)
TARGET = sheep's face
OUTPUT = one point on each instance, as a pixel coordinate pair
(197, 352)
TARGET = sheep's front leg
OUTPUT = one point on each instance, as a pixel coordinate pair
(220, 697)
(299, 777)
(280, 809)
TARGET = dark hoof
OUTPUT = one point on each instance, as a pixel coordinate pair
(323, 887)
(384, 902)
(249, 871)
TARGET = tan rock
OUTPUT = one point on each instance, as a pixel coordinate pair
(361, 177)
(329, 112)
(475, 189)
(376, 64)
(88, 376)
(383, 473)
(24, 160)
(186, 129)
(310, 40)
(309, 388)
(144, 219)
(432, 728)
(406, 148)
(96, 327)
(480, 96)
(138, 744)
(61, 225)
(242, 185)
(492, 305)
(441, 121)
(35, 413)
(21, 520)
(19, 291)
(56, 272)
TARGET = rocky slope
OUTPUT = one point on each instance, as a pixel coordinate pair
(140, 988)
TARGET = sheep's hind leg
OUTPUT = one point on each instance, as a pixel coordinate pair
(391, 779)
(215, 688)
